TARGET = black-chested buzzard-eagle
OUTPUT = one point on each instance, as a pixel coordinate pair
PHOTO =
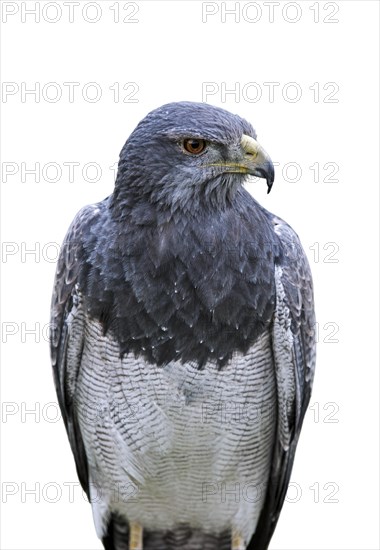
(182, 340)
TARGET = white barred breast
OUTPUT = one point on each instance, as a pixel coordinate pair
(174, 444)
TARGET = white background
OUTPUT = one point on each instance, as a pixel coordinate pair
(169, 53)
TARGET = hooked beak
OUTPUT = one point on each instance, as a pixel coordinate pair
(251, 159)
(257, 161)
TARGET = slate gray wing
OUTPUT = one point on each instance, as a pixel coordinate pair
(67, 329)
(293, 345)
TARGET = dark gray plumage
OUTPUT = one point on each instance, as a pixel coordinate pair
(174, 297)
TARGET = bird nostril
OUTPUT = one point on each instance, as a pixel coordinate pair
(252, 154)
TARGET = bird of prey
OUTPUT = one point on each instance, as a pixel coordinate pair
(182, 340)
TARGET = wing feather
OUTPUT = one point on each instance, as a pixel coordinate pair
(67, 330)
(293, 344)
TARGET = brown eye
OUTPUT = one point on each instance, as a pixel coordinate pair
(194, 146)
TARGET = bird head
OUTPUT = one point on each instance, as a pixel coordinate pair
(185, 154)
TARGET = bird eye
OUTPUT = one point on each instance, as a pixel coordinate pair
(194, 146)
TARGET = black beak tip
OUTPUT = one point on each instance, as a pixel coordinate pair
(270, 177)
(266, 172)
